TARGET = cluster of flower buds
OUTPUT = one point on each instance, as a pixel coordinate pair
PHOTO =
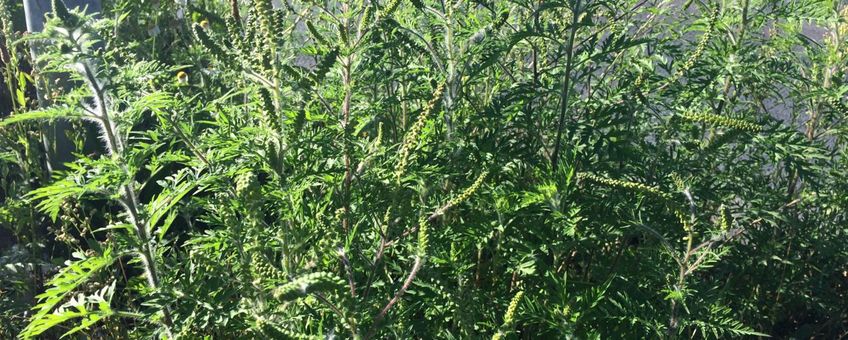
(834, 101)
(726, 219)
(513, 306)
(617, 183)
(365, 19)
(303, 285)
(411, 137)
(263, 270)
(423, 237)
(702, 44)
(206, 41)
(246, 185)
(264, 12)
(466, 194)
(310, 26)
(390, 8)
(685, 221)
(509, 316)
(727, 122)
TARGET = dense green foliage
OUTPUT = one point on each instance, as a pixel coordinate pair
(427, 169)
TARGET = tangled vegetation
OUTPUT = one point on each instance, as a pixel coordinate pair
(425, 169)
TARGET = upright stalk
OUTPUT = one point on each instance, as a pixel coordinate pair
(7, 54)
(684, 265)
(130, 197)
(346, 157)
(450, 93)
(566, 83)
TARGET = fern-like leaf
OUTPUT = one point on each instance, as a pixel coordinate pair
(60, 286)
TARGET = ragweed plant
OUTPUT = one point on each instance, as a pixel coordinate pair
(425, 169)
(76, 41)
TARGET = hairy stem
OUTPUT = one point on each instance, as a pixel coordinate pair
(130, 197)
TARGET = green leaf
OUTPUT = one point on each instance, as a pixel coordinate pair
(162, 204)
(52, 196)
(48, 113)
(66, 281)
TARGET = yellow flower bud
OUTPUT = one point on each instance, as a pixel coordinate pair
(182, 77)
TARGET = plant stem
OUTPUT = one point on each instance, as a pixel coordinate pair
(130, 199)
(566, 84)
(346, 157)
(406, 283)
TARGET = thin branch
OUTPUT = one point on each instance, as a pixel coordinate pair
(406, 283)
